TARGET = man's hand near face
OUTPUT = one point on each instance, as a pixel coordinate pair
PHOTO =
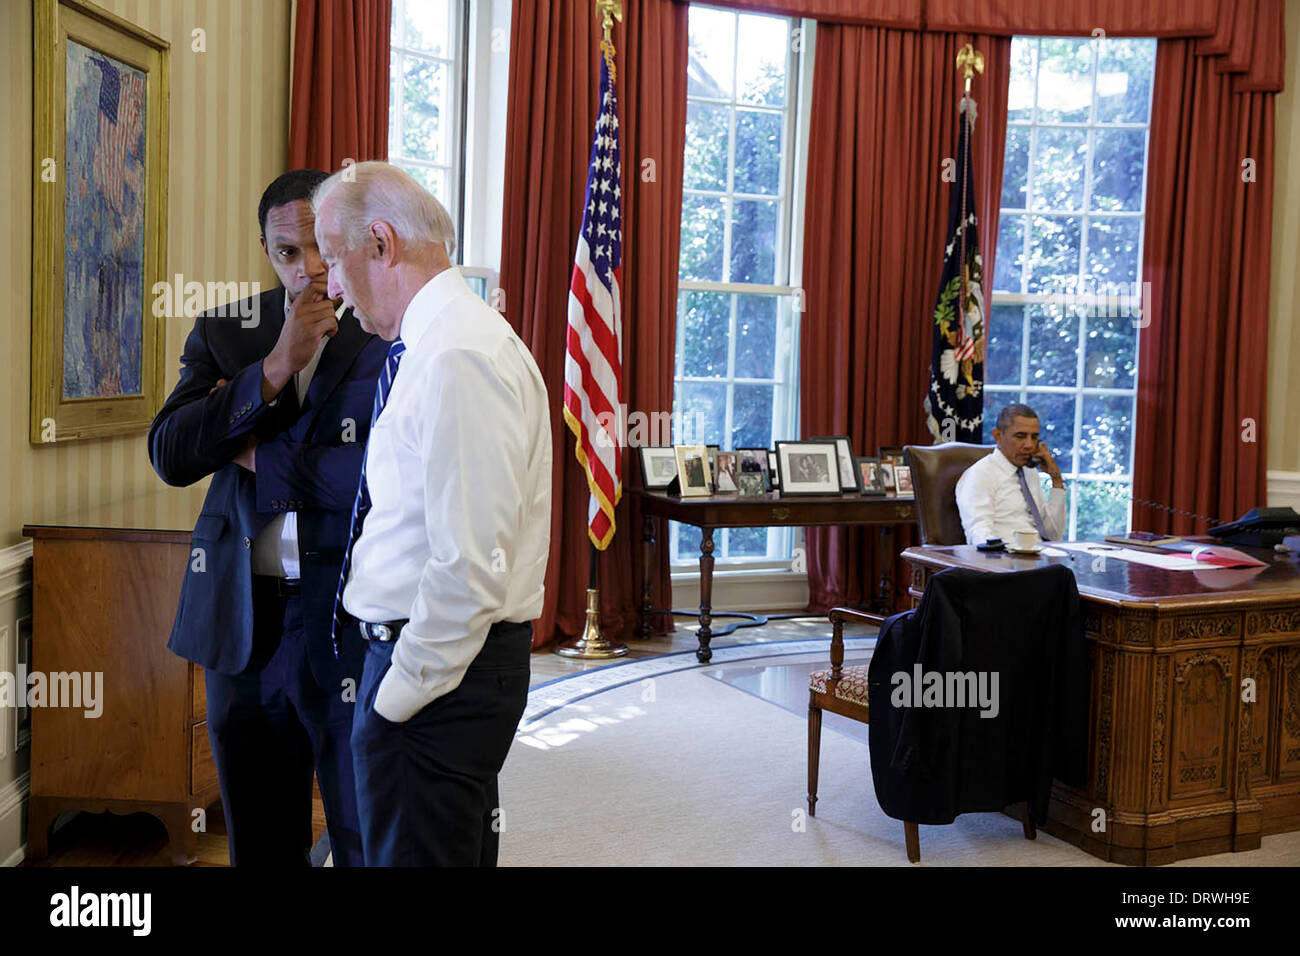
(1048, 464)
(310, 318)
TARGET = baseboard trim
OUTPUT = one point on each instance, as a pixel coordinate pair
(756, 591)
(14, 793)
(16, 857)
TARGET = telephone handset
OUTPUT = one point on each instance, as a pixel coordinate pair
(1034, 462)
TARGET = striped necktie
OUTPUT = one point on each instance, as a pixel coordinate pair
(1031, 503)
(383, 385)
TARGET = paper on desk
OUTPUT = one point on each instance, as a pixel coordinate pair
(1170, 562)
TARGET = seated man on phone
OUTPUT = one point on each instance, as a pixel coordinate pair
(1001, 494)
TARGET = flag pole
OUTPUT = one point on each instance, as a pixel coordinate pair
(591, 644)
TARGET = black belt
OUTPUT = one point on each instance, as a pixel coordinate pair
(384, 633)
(284, 587)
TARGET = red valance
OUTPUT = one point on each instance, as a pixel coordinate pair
(1247, 37)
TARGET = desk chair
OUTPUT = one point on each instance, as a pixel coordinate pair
(935, 470)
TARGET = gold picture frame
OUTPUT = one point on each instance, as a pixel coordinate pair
(99, 222)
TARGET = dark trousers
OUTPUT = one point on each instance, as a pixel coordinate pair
(427, 788)
(270, 727)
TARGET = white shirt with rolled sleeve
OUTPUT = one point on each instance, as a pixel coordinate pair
(459, 472)
(993, 506)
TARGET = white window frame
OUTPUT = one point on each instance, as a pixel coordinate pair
(1125, 304)
(788, 272)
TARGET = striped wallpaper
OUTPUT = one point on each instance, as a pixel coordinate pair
(229, 138)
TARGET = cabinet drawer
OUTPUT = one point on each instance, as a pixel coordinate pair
(198, 693)
(203, 769)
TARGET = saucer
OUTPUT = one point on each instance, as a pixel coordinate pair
(1036, 549)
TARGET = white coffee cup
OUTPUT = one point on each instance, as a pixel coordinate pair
(1025, 540)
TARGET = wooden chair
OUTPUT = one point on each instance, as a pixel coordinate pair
(935, 471)
(843, 690)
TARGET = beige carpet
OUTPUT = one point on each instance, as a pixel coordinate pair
(682, 769)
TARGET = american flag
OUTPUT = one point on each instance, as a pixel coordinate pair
(121, 97)
(593, 366)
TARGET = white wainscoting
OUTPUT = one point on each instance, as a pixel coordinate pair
(1284, 489)
(756, 591)
(15, 749)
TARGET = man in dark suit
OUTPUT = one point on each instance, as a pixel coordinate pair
(276, 408)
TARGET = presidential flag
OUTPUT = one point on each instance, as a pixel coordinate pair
(593, 366)
(954, 405)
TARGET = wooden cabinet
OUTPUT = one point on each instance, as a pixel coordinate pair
(103, 604)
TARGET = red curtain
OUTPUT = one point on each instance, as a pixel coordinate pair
(553, 89)
(340, 83)
(884, 117)
(1203, 360)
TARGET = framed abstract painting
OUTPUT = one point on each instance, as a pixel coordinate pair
(99, 214)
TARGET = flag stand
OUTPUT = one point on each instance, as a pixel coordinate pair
(592, 645)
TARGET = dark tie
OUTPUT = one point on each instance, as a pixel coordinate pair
(361, 505)
(1033, 505)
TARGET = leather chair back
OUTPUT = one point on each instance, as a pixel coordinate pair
(935, 470)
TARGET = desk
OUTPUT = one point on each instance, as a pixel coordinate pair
(766, 511)
(104, 597)
(1194, 710)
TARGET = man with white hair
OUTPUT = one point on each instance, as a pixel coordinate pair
(450, 530)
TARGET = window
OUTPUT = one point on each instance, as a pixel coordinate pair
(1066, 303)
(735, 383)
(425, 93)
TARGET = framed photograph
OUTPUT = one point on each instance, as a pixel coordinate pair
(773, 472)
(869, 479)
(693, 470)
(808, 467)
(848, 471)
(724, 473)
(751, 484)
(99, 223)
(893, 453)
(755, 460)
(658, 467)
(903, 479)
(887, 474)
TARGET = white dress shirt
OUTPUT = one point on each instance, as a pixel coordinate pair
(459, 471)
(993, 506)
(275, 549)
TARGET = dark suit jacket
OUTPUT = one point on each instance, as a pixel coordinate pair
(308, 461)
(930, 764)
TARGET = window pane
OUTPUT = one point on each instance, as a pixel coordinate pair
(1103, 508)
(705, 322)
(752, 417)
(756, 336)
(1004, 346)
(1117, 162)
(758, 152)
(425, 110)
(704, 412)
(424, 25)
(747, 543)
(1010, 261)
(1058, 164)
(1113, 251)
(1125, 69)
(1053, 345)
(753, 241)
(1112, 352)
(1105, 445)
(1064, 81)
(703, 228)
(1015, 173)
(711, 54)
(1056, 424)
(688, 541)
(761, 60)
(1020, 92)
(707, 136)
(1053, 253)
